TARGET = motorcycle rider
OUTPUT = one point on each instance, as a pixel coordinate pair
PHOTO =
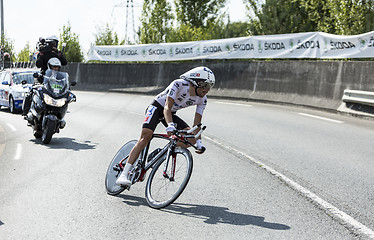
(189, 90)
(53, 64)
(47, 50)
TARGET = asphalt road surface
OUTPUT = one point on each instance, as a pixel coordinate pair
(269, 172)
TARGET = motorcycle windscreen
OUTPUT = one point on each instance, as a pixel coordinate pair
(56, 83)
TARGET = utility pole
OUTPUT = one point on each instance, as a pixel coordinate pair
(2, 22)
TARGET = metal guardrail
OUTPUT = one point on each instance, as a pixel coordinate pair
(355, 96)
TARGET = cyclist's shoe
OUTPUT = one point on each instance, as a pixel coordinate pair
(123, 181)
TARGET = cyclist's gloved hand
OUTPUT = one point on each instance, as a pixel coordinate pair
(170, 129)
(200, 147)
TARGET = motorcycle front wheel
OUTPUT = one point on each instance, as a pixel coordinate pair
(48, 131)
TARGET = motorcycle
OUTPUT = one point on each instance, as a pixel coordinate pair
(49, 104)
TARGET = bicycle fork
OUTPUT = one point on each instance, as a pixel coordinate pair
(173, 156)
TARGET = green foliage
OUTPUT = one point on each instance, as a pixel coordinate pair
(198, 13)
(198, 20)
(344, 17)
(156, 22)
(73, 50)
(106, 36)
(8, 47)
(24, 54)
(236, 29)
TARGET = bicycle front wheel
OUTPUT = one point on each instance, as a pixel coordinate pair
(164, 186)
(114, 170)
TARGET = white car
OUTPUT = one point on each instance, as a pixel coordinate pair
(15, 83)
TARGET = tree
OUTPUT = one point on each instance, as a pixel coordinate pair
(106, 36)
(8, 47)
(236, 29)
(291, 16)
(24, 54)
(279, 17)
(156, 21)
(353, 16)
(198, 20)
(73, 51)
(198, 13)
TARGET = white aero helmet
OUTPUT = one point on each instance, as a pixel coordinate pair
(54, 62)
(201, 77)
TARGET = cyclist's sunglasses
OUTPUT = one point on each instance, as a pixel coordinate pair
(205, 85)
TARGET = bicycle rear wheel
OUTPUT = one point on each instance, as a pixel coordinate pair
(161, 190)
(114, 170)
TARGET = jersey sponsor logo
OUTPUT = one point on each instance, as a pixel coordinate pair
(190, 102)
(150, 111)
(171, 93)
(194, 75)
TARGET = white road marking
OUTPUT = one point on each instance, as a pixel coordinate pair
(322, 118)
(326, 206)
(18, 152)
(237, 104)
(11, 127)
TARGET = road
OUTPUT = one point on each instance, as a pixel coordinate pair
(250, 184)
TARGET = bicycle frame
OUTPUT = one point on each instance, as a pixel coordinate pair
(145, 164)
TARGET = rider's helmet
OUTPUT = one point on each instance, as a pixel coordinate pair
(52, 40)
(54, 63)
(200, 77)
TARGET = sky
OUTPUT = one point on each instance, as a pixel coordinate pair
(27, 20)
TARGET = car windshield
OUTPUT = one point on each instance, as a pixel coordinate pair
(18, 77)
(56, 83)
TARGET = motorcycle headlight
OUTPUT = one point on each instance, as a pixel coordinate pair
(54, 102)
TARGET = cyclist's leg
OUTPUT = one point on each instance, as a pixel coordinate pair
(145, 137)
(152, 118)
(143, 141)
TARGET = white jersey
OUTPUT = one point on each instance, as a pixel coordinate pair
(179, 91)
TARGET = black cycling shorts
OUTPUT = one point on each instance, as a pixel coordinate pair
(154, 114)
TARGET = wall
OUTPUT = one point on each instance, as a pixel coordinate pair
(312, 83)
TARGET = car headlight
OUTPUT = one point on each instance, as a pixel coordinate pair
(54, 102)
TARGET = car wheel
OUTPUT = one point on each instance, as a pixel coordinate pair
(12, 106)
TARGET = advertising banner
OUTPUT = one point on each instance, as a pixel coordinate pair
(298, 45)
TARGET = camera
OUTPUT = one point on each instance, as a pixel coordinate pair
(45, 45)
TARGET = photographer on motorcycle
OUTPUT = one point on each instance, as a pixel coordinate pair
(47, 50)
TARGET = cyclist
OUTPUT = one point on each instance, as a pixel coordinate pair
(189, 90)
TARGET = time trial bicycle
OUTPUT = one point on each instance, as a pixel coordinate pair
(171, 168)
